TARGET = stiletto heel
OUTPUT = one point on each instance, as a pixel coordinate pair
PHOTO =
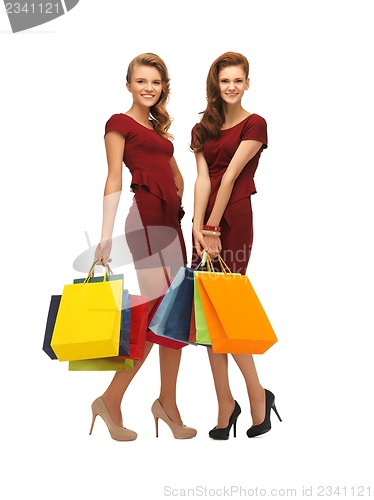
(93, 421)
(224, 433)
(276, 412)
(117, 433)
(179, 431)
(156, 424)
(265, 426)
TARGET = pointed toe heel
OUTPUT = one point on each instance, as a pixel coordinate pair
(117, 433)
(224, 433)
(179, 431)
(265, 426)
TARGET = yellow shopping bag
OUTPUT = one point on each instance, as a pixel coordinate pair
(88, 320)
(101, 364)
(236, 320)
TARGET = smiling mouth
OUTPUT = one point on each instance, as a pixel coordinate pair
(148, 96)
(231, 94)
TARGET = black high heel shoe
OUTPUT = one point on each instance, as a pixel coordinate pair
(224, 433)
(257, 430)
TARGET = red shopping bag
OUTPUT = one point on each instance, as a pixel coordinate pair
(192, 336)
(138, 326)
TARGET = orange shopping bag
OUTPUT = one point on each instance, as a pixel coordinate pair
(236, 320)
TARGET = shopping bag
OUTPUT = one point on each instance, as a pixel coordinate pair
(198, 331)
(88, 320)
(124, 341)
(178, 323)
(160, 339)
(192, 334)
(158, 320)
(173, 315)
(124, 346)
(236, 320)
(101, 364)
(201, 328)
(138, 315)
(51, 320)
(164, 341)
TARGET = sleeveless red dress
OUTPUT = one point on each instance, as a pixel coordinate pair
(153, 230)
(236, 222)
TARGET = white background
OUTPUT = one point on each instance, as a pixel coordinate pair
(312, 79)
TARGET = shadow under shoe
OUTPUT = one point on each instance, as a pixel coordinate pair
(179, 431)
(224, 433)
(117, 433)
(265, 426)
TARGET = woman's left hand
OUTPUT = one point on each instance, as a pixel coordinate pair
(181, 213)
(213, 245)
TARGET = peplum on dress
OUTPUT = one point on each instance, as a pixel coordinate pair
(236, 222)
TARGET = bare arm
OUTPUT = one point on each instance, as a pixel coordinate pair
(115, 146)
(245, 152)
(202, 191)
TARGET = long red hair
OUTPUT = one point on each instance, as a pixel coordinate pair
(213, 117)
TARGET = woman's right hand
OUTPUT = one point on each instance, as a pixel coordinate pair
(102, 252)
(199, 241)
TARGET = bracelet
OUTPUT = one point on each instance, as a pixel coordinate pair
(212, 228)
(207, 232)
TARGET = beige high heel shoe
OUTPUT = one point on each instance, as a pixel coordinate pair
(179, 431)
(117, 433)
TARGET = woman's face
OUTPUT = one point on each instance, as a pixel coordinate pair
(232, 84)
(145, 85)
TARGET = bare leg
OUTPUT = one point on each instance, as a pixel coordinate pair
(113, 395)
(226, 403)
(256, 392)
(151, 284)
(169, 367)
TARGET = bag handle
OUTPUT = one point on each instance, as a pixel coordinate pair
(206, 260)
(201, 263)
(209, 263)
(92, 269)
(225, 268)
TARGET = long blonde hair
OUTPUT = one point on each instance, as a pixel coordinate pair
(213, 117)
(161, 118)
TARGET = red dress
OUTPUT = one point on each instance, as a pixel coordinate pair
(153, 230)
(236, 222)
